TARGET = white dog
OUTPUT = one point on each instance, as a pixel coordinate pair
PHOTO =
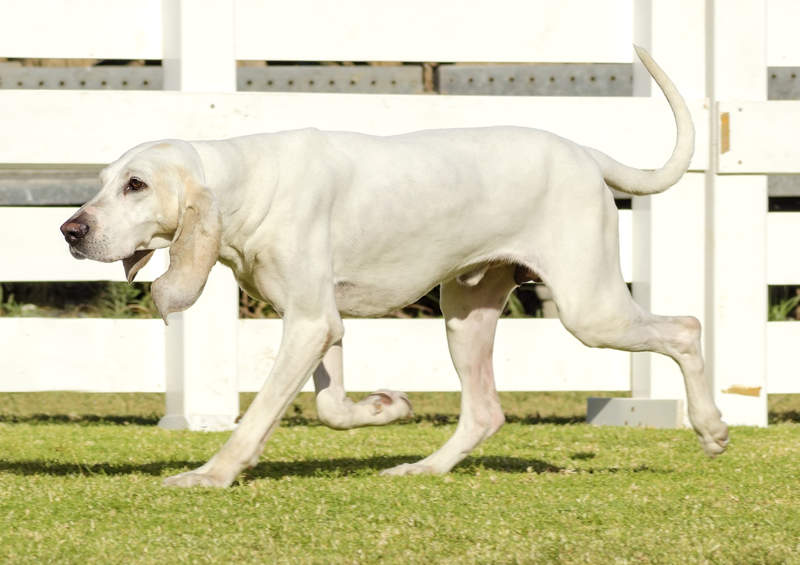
(328, 223)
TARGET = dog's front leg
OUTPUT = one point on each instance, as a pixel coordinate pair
(305, 340)
(337, 411)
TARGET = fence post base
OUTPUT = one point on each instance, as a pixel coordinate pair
(635, 412)
(200, 422)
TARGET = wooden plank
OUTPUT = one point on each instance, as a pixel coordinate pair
(91, 355)
(412, 355)
(84, 355)
(737, 240)
(46, 256)
(783, 50)
(201, 379)
(763, 137)
(33, 249)
(42, 127)
(445, 31)
(85, 29)
(783, 233)
(782, 372)
(402, 354)
(350, 30)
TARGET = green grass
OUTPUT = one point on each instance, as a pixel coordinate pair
(82, 485)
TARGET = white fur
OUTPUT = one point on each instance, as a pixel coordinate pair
(328, 223)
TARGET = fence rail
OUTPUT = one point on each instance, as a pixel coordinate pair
(706, 247)
(103, 355)
(639, 131)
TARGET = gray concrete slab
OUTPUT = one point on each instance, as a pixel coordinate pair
(635, 412)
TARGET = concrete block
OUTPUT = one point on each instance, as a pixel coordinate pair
(635, 412)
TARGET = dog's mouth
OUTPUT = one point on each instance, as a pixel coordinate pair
(76, 253)
(135, 262)
(133, 258)
(137, 255)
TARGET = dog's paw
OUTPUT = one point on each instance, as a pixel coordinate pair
(389, 405)
(196, 478)
(713, 438)
(410, 469)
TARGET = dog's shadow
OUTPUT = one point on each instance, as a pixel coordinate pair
(337, 467)
(346, 466)
(276, 470)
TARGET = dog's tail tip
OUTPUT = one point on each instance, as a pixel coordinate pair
(642, 53)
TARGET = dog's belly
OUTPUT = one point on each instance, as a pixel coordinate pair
(384, 292)
(363, 299)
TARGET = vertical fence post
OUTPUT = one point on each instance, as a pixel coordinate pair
(202, 391)
(669, 228)
(737, 241)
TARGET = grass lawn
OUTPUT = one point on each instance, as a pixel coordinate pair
(80, 482)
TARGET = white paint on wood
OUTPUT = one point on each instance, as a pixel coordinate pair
(104, 355)
(85, 29)
(783, 49)
(783, 369)
(40, 125)
(737, 243)
(33, 249)
(445, 30)
(763, 136)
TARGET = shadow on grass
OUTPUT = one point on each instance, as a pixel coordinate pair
(321, 468)
(350, 466)
(784, 416)
(338, 467)
(287, 421)
(775, 417)
(60, 469)
(530, 419)
(80, 419)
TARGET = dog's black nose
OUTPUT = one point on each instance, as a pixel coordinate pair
(74, 230)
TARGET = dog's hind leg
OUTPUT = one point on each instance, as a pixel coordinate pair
(337, 411)
(595, 306)
(678, 337)
(471, 314)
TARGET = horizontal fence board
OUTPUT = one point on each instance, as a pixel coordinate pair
(350, 30)
(101, 355)
(783, 235)
(445, 30)
(81, 29)
(782, 46)
(412, 355)
(91, 355)
(33, 249)
(128, 356)
(46, 257)
(763, 137)
(40, 126)
(783, 374)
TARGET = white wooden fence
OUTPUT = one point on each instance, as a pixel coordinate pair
(707, 247)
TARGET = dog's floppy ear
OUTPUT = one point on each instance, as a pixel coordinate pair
(194, 250)
(135, 262)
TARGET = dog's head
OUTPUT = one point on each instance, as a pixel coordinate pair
(152, 197)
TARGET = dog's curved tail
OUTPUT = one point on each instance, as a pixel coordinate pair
(639, 182)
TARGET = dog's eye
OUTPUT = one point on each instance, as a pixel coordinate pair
(135, 185)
